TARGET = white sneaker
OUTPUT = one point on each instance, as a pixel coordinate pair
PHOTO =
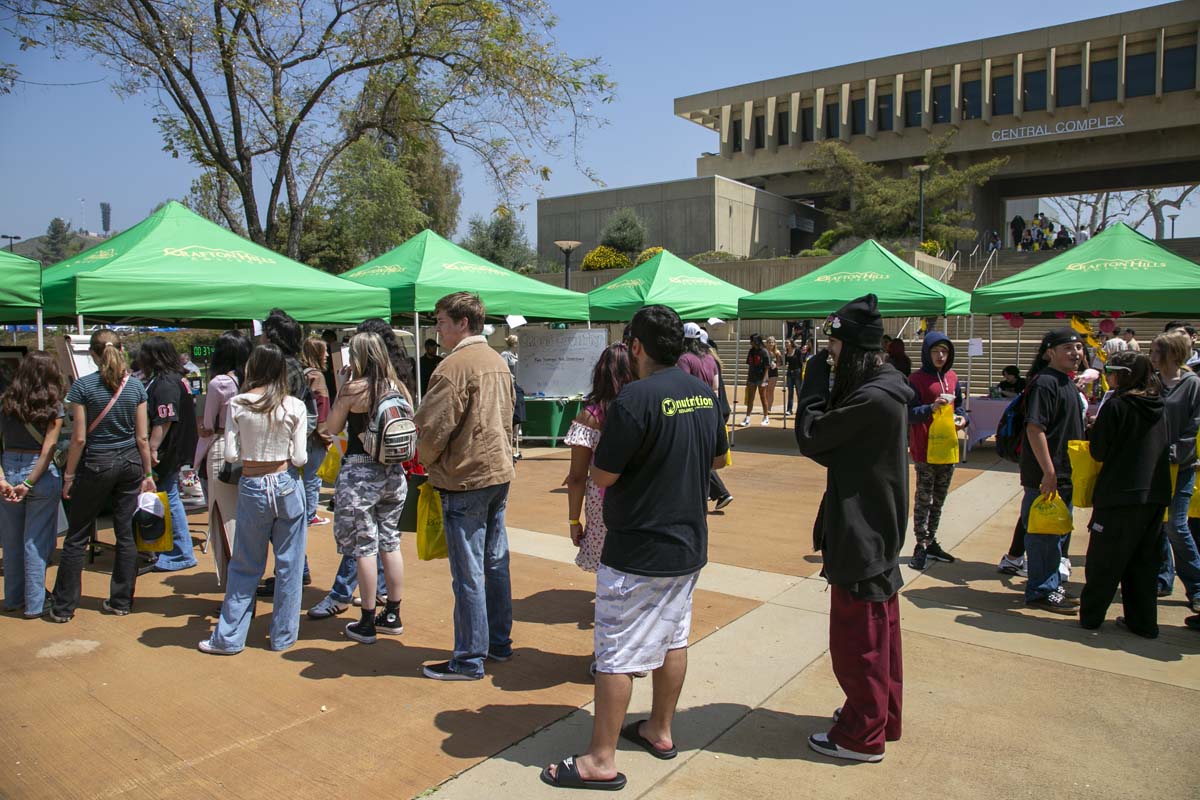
(1012, 566)
(1064, 568)
(745, 422)
(766, 421)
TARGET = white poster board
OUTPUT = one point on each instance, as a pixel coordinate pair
(558, 363)
(74, 356)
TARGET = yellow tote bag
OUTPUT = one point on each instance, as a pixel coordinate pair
(943, 437)
(1049, 515)
(332, 464)
(1194, 506)
(162, 544)
(1084, 471)
(431, 536)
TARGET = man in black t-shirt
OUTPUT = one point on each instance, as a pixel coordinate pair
(1053, 417)
(662, 435)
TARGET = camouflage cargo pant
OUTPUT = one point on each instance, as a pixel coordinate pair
(368, 501)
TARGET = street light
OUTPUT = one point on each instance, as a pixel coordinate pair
(566, 248)
(921, 169)
(1172, 217)
(11, 238)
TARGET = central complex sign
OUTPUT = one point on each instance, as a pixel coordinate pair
(1084, 125)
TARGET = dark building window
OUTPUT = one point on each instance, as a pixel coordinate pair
(858, 116)
(972, 99)
(1139, 74)
(941, 103)
(833, 122)
(885, 111)
(912, 108)
(781, 127)
(1104, 80)
(1035, 91)
(760, 132)
(806, 124)
(1002, 95)
(1179, 69)
(736, 134)
(1068, 85)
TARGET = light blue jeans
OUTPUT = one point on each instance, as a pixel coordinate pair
(270, 512)
(312, 484)
(1180, 541)
(1043, 552)
(477, 542)
(27, 532)
(180, 556)
(346, 580)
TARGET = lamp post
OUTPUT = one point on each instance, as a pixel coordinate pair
(567, 247)
(13, 237)
(921, 169)
(1172, 217)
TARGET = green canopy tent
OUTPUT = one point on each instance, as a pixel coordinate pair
(177, 266)
(20, 290)
(427, 267)
(903, 291)
(1118, 269)
(667, 280)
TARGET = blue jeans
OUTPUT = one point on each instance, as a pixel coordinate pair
(477, 542)
(1043, 552)
(180, 556)
(28, 530)
(312, 484)
(346, 580)
(1180, 541)
(270, 512)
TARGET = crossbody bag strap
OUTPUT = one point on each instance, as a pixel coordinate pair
(37, 437)
(112, 401)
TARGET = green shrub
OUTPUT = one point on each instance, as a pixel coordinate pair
(812, 252)
(714, 257)
(830, 237)
(604, 257)
(647, 254)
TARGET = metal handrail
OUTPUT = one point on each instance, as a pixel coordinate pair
(987, 265)
(942, 278)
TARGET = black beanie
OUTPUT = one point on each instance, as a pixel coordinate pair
(858, 323)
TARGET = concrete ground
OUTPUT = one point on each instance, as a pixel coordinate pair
(1000, 701)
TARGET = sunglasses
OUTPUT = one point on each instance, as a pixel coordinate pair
(1116, 368)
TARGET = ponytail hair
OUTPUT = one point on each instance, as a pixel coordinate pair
(106, 350)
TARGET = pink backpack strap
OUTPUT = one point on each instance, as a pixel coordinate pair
(597, 412)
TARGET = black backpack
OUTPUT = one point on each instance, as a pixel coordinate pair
(1010, 433)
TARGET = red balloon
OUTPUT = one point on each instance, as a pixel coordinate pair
(1108, 325)
(1017, 321)
(1060, 315)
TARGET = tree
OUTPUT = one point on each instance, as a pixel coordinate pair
(105, 218)
(872, 205)
(58, 242)
(374, 204)
(500, 240)
(436, 182)
(1094, 211)
(271, 94)
(624, 231)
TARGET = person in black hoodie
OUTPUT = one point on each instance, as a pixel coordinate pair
(1130, 438)
(856, 430)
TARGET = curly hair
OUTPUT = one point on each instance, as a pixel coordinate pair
(36, 392)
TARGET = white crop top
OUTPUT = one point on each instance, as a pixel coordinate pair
(266, 437)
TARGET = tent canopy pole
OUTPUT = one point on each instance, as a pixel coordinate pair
(41, 332)
(420, 350)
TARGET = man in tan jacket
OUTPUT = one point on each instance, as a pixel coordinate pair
(465, 443)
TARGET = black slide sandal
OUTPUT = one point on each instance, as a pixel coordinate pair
(630, 733)
(567, 777)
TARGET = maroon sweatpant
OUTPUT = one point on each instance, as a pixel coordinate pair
(864, 644)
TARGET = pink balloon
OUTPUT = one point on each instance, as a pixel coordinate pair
(1017, 321)
(1108, 325)
(1060, 315)
(1007, 315)
(1116, 314)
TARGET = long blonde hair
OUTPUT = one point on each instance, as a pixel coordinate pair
(369, 362)
(110, 359)
(312, 355)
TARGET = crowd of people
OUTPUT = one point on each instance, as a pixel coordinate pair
(1041, 234)
(646, 451)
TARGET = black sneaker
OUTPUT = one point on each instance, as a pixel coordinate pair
(111, 609)
(388, 621)
(724, 501)
(935, 551)
(1193, 622)
(442, 672)
(1057, 602)
(267, 587)
(919, 558)
(362, 631)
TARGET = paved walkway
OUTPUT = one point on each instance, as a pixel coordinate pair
(1000, 701)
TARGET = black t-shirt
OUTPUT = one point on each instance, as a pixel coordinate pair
(1053, 403)
(661, 435)
(757, 359)
(168, 400)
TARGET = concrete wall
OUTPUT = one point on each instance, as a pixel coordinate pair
(687, 217)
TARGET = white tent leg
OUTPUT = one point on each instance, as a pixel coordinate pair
(79, 324)
(970, 375)
(420, 350)
(41, 332)
(991, 350)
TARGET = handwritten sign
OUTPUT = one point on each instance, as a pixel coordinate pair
(557, 363)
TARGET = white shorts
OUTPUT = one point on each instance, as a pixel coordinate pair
(638, 619)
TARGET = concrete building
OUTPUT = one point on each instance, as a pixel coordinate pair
(1103, 104)
(688, 216)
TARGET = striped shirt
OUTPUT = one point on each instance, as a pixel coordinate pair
(116, 430)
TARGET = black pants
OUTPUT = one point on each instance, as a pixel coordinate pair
(101, 475)
(1125, 545)
(716, 486)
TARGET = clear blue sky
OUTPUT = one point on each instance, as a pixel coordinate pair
(60, 144)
